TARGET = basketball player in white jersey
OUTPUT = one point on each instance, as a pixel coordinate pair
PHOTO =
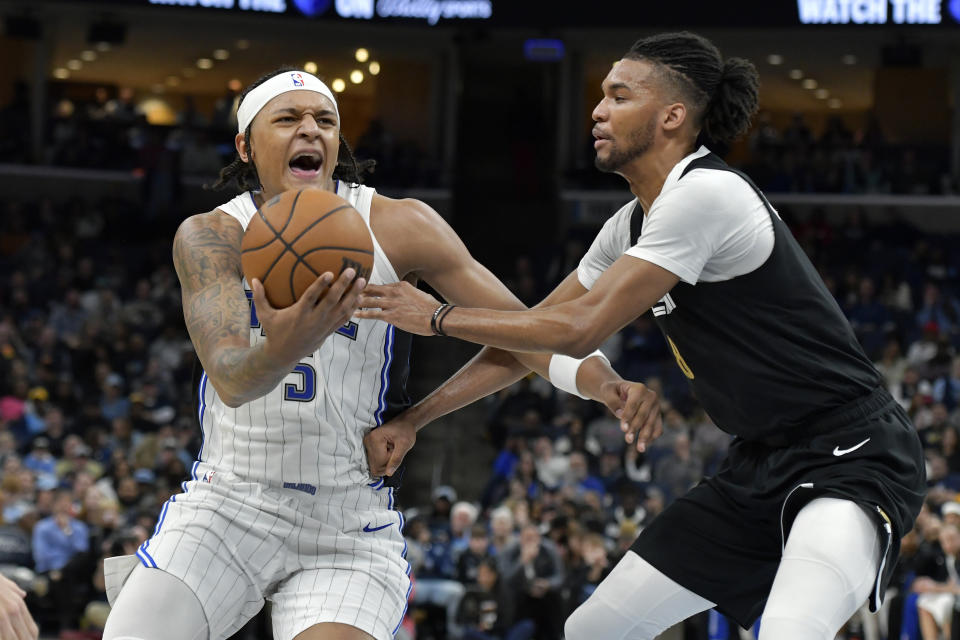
(281, 504)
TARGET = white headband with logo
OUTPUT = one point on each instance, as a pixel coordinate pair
(254, 101)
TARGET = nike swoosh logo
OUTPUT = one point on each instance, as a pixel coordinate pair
(837, 451)
(370, 529)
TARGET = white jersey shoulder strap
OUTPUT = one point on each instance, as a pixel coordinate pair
(361, 198)
(242, 208)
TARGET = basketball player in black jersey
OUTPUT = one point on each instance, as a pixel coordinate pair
(803, 520)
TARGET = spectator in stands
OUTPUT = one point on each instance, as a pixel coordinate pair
(579, 479)
(462, 516)
(533, 572)
(911, 391)
(946, 389)
(435, 580)
(502, 531)
(680, 470)
(629, 510)
(636, 466)
(869, 317)
(604, 434)
(709, 444)
(487, 611)
(113, 403)
(938, 308)
(551, 467)
(478, 549)
(892, 364)
(938, 584)
(40, 460)
(58, 542)
(950, 448)
(595, 566)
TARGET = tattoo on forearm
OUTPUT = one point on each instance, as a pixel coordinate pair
(206, 256)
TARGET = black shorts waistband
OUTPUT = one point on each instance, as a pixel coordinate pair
(860, 409)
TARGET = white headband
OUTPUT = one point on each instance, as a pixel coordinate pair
(254, 101)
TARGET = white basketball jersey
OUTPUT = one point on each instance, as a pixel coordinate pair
(308, 431)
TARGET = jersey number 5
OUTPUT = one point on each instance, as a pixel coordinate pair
(306, 389)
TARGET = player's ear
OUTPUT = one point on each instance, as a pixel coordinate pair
(674, 116)
(240, 142)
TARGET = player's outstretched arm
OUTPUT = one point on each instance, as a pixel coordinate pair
(446, 264)
(206, 255)
(575, 328)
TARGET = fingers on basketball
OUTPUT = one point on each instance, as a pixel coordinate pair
(297, 236)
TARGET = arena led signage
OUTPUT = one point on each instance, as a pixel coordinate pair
(431, 11)
(271, 6)
(906, 12)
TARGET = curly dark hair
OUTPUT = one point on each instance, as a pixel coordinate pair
(244, 174)
(723, 93)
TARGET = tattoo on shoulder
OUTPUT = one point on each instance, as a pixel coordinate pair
(206, 255)
(204, 249)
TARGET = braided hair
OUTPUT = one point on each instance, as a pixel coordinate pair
(722, 93)
(244, 174)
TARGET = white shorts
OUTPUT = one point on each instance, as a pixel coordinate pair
(335, 556)
(939, 605)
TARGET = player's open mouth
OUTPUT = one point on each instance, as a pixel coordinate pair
(306, 165)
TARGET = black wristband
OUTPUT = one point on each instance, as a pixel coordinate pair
(433, 321)
(443, 315)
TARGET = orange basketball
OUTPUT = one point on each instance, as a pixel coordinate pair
(298, 236)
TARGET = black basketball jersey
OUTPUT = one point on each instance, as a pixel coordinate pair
(767, 353)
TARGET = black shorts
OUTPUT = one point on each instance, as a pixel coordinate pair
(723, 540)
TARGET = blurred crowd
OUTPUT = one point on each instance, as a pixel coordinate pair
(111, 131)
(799, 158)
(98, 428)
(840, 160)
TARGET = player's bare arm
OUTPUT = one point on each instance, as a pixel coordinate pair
(206, 255)
(431, 250)
(576, 327)
(428, 249)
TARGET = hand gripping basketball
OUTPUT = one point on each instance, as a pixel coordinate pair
(299, 330)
